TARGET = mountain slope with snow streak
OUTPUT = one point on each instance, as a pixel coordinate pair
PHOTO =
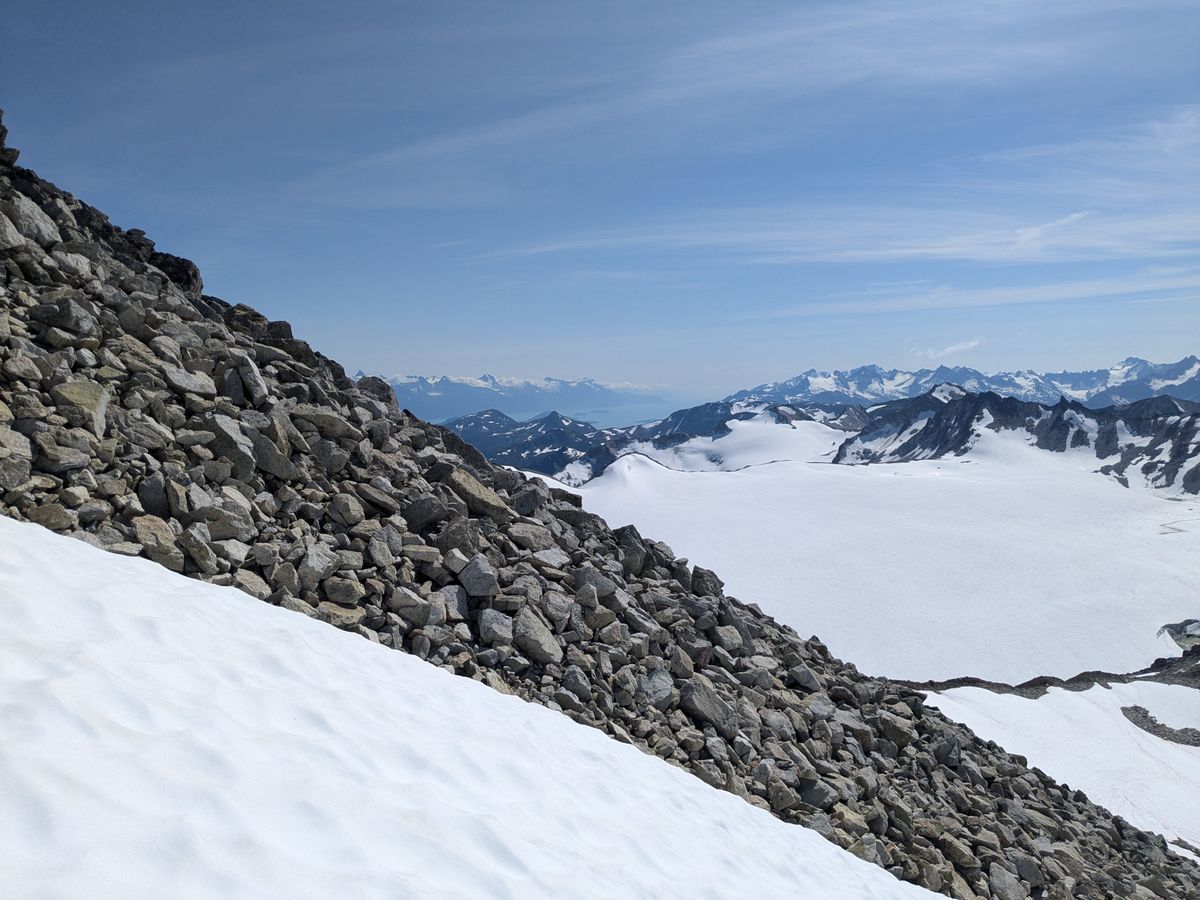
(164, 737)
(1151, 443)
(1084, 739)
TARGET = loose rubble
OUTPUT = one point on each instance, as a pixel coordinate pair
(146, 418)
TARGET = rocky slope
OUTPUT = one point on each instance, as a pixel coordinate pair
(1155, 441)
(1129, 380)
(142, 416)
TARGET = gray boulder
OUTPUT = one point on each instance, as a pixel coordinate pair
(479, 577)
(532, 636)
(495, 627)
(699, 699)
(158, 542)
(84, 403)
(318, 564)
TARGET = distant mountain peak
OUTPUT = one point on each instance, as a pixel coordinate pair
(1131, 379)
(440, 398)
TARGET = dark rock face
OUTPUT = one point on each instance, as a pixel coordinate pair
(1155, 439)
(547, 444)
(146, 418)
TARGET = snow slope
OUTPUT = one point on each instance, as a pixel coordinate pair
(160, 737)
(1006, 564)
(750, 442)
(1083, 739)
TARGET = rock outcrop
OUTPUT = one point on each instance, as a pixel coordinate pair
(144, 417)
(1155, 441)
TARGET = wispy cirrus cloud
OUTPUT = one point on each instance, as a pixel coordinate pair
(1142, 285)
(893, 233)
(952, 350)
(1128, 193)
(719, 70)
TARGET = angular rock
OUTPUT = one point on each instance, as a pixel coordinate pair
(225, 519)
(531, 537)
(532, 636)
(897, 730)
(699, 699)
(329, 423)
(189, 382)
(480, 499)
(478, 577)
(347, 509)
(318, 564)
(194, 542)
(343, 591)
(341, 616)
(658, 688)
(495, 627)
(84, 403)
(251, 583)
(270, 459)
(54, 516)
(229, 442)
(158, 542)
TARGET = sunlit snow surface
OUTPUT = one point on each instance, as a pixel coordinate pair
(160, 737)
(1083, 739)
(1008, 563)
(754, 442)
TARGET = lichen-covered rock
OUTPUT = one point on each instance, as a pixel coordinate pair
(158, 542)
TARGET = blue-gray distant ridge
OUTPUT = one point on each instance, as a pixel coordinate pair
(441, 398)
(1128, 381)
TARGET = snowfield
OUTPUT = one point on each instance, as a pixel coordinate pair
(750, 442)
(160, 737)
(1083, 739)
(1005, 564)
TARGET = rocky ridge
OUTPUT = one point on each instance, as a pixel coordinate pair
(547, 443)
(142, 416)
(1156, 440)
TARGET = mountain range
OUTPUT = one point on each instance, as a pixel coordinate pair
(1129, 380)
(442, 397)
(1156, 439)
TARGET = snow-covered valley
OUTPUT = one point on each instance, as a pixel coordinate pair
(1004, 564)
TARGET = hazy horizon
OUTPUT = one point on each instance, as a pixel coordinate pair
(687, 196)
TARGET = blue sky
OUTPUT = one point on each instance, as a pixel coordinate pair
(702, 196)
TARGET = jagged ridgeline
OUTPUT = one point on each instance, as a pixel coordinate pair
(146, 418)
